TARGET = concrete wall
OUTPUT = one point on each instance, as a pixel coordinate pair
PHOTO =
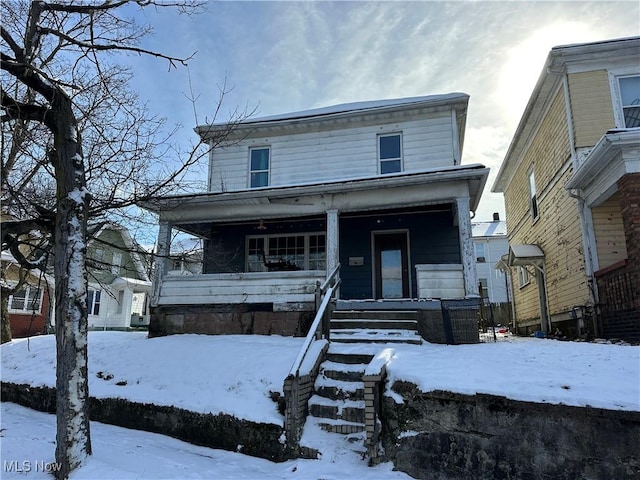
(442, 435)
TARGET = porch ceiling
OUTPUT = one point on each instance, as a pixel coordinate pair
(389, 192)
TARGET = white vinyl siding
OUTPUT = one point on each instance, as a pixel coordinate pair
(337, 154)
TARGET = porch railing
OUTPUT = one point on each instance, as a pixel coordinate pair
(619, 301)
(298, 386)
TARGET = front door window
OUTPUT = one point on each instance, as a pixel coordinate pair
(392, 271)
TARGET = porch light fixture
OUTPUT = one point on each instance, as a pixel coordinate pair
(261, 225)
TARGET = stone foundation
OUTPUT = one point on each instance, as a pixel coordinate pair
(250, 319)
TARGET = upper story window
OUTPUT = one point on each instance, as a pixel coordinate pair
(390, 153)
(286, 252)
(533, 199)
(27, 299)
(480, 255)
(116, 263)
(630, 97)
(259, 168)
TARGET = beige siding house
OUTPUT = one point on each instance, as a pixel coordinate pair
(571, 182)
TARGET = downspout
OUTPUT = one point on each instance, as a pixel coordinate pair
(586, 230)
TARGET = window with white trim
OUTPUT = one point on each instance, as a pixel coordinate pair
(116, 263)
(390, 153)
(523, 277)
(483, 283)
(259, 163)
(480, 255)
(630, 100)
(26, 300)
(533, 199)
(93, 302)
(303, 251)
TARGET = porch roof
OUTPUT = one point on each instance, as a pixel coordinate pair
(522, 255)
(400, 190)
(616, 154)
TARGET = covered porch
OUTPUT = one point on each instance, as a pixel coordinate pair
(266, 250)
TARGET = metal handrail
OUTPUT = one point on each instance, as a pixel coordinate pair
(317, 321)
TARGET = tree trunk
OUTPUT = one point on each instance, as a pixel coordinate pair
(73, 442)
(5, 331)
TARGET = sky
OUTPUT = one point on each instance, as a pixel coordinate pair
(160, 370)
(279, 57)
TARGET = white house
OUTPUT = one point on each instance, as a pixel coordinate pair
(490, 244)
(119, 285)
(374, 189)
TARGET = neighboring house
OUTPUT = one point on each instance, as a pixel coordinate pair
(571, 182)
(29, 308)
(374, 188)
(119, 284)
(490, 244)
(185, 263)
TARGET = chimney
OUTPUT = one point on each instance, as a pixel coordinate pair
(496, 217)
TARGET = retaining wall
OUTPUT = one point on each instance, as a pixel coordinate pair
(443, 435)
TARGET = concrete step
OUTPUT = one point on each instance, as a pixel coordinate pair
(338, 426)
(349, 357)
(339, 389)
(375, 314)
(348, 410)
(368, 335)
(373, 323)
(340, 371)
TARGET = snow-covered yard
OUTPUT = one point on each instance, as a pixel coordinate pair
(234, 374)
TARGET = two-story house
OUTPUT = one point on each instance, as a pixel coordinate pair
(490, 244)
(571, 182)
(375, 190)
(119, 286)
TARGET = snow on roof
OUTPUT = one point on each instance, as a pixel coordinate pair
(489, 229)
(358, 106)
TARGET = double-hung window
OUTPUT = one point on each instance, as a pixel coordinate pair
(25, 300)
(630, 97)
(533, 199)
(93, 302)
(259, 159)
(523, 277)
(302, 251)
(390, 153)
(480, 255)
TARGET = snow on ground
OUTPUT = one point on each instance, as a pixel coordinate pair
(234, 374)
(203, 373)
(119, 453)
(531, 369)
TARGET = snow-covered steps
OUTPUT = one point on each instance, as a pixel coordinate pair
(349, 372)
(348, 410)
(339, 389)
(357, 335)
(379, 326)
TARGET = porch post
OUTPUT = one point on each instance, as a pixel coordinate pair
(162, 254)
(466, 248)
(333, 251)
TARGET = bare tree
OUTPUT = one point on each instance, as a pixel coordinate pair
(76, 144)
